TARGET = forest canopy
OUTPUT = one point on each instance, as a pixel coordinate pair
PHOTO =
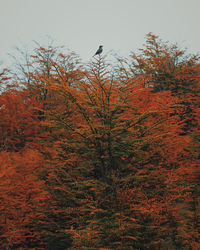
(103, 155)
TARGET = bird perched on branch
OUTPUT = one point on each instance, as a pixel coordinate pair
(99, 51)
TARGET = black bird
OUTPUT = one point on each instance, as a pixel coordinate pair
(99, 51)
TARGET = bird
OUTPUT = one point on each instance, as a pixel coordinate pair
(99, 51)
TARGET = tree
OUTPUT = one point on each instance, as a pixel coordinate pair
(19, 123)
(22, 199)
(110, 138)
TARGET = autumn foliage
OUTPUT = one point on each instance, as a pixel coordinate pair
(101, 156)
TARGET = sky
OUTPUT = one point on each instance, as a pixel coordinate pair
(83, 25)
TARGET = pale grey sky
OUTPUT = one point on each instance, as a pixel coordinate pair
(82, 25)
